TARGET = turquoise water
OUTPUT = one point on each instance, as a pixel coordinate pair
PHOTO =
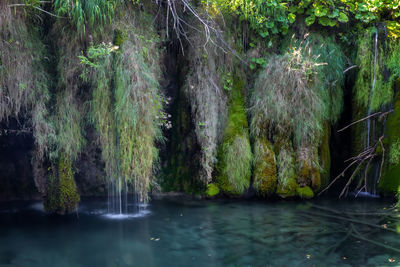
(204, 233)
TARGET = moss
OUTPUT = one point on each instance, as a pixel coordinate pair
(305, 192)
(373, 87)
(309, 176)
(287, 184)
(62, 195)
(325, 157)
(390, 180)
(265, 174)
(212, 190)
(234, 154)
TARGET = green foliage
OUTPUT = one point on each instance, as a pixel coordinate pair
(235, 157)
(373, 91)
(271, 17)
(127, 108)
(394, 153)
(265, 17)
(62, 195)
(294, 92)
(212, 190)
(326, 13)
(258, 63)
(68, 123)
(84, 13)
(24, 81)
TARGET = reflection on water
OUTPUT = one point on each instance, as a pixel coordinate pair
(205, 233)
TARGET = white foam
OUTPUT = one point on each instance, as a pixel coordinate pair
(38, 206)
(122, 216)
(365, 195)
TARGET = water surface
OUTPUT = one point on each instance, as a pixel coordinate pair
(204, 233)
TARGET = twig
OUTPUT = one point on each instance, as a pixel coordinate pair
(38, 8)
(360, 120)
(349, 68)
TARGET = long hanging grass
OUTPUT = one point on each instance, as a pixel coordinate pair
(295, 95)
(24, 82)
(138, 106)
(208, 101)
(86, 13)
(17, 79)
(126, 108)
(284, 97)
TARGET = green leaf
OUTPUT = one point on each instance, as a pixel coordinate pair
(310, 20)
(291, 17)
(327, 22)
(343, 17)
(321, 11)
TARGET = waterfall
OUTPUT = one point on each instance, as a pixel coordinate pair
(370, 134)
(372, 91)
(122, 201)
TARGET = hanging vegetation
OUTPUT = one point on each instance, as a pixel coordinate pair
(127, 105)
(235, 156)
(24, 82)
(292, 99)
(208, 101)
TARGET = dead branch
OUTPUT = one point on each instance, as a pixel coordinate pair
(365, 156)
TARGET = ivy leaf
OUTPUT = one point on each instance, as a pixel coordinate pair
(327, 22)
(343, 17)
(310, 20)
(293, 9)
(321, 11)
(270, 24)
(291, 17)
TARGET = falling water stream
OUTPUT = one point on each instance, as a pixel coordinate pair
(372, 91)
(370, 134)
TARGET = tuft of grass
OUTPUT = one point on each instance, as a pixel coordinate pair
(86, 13)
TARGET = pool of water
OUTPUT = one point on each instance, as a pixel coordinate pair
(326, 232)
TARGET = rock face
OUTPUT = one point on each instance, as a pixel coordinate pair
(16, 176)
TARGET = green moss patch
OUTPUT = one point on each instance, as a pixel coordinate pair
(212, 190)
(234, 155)
(265, 173)
(305, 192)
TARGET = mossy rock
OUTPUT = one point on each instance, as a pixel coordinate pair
(62, 197)
(288, 189)
(265, 173)
(234, 154)
(235, 166)
(309, 176)
(390, 180)
(305, 192)
(287, 183)
(212, 190)
(325, 157)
